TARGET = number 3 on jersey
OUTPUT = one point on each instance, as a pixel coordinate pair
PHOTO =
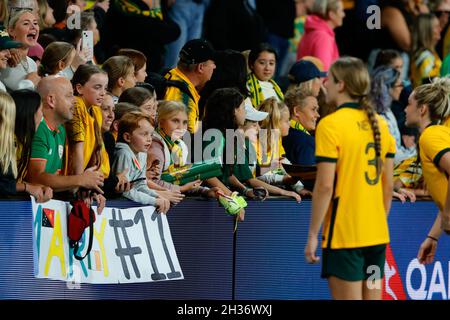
(371, 162)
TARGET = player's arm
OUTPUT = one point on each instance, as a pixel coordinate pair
(387, 180)
(428, 247)
(444, 165)
(322, 193)
(327, 154)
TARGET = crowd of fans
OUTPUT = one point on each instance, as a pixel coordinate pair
(114, 124)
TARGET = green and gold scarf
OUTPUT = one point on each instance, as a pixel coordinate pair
(298, 126)
(176, 152)
(256, 94)
(138, 7)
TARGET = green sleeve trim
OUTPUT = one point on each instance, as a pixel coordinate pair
(326, 159)
(390, 155)
(438, 157)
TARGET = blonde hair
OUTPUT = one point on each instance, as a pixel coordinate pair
(305, 87)
(322, 7)
(168, 109)
(354, 74)
(296, 97)
(7, 123)
(16, 15)
(436, 96)
(422, 36)
(43, 8)
(275, 110)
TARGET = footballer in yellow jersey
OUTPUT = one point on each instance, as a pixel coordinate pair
(434, 142)
(429, 110)
(356, 217)
(353, 188)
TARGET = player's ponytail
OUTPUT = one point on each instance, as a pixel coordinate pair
(371, 114)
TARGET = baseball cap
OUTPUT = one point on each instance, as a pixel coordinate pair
(252, 114)
(304, 70)
(197, 51)
(7, 43)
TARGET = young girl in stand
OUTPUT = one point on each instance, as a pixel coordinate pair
(269, 149)
(252, 146)
(262, 61)
(144, 98)
(169, 150)
(57, 57)
(139, 60)
(121, 76)
(84, 131)
(225, 111)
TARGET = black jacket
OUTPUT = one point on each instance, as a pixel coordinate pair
(7, 183)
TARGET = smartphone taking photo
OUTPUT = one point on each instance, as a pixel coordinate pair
(87, 44)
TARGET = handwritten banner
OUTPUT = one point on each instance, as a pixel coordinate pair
(129, 245)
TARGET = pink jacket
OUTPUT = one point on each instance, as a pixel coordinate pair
(318, 41)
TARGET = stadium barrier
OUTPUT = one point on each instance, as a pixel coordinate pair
(262, 260)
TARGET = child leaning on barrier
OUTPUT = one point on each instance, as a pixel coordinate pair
(269, 148)
(251, 129)
(169, 150)
(134, 139)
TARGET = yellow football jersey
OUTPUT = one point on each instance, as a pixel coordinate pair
(434, 142)
(356, 216)
(82, 129)
(175, 94)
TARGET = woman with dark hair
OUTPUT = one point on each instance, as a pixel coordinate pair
(389, 57)
(230, 72)
(139, 61)
(225, 111)
(144, 98)
(28, 116)
(262, 62)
